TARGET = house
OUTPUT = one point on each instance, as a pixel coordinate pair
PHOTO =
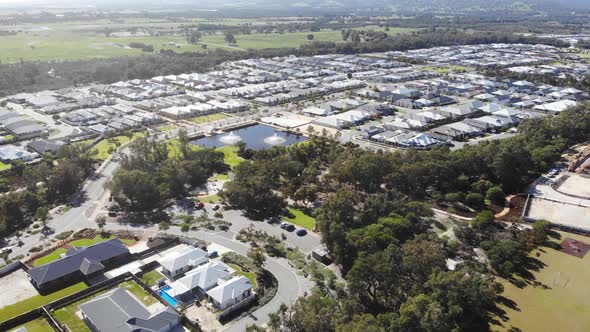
(119, 311)
(556, 107)
(177, 263)
(403, 123)
(24, 128)
(198, 281)
(9, 153)
(45, 146)
(229, 293)
(79, 263)
(317, 111)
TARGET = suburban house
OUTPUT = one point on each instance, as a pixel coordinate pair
(198, 281)
(10, 153)
(78, 264)
(179, 262)
(229, 293)
(119, 311)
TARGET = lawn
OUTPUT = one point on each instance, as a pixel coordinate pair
(209, 118)
(167, 128)
(220, 177)
(231, 155)
(211, 199)
(53, 256)
(38, 301)
(250, 275)
(37, 325)
(559, 300)
(301, 219)
(97, 239)
(146, 298)
(4, 166)
(105, 146)
(73, 42)
(67, 315)
(150, 278)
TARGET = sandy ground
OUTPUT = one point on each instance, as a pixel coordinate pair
(576, 185)
(559, 213)
(207, 319)
(16, 287)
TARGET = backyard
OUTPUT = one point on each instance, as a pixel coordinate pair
(38, 301)
(37, 325)
(556, 299)
(250, 275)
(150, 278)
(67, 315)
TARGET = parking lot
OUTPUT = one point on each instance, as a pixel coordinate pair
(16, 287)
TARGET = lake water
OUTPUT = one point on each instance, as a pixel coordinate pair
(256, 137)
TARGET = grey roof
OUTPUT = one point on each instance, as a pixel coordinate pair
(24, 126)
(86, 260)
(230, 289)
(41, 146)
(119, 311)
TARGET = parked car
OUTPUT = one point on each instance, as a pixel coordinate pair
(199, 205)
(288, 227)
(301, 232)
(6, 250)
(216, 207)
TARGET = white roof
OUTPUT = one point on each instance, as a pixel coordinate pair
(189, 256)
(556, 107)
(230, 289)
(204, 277)
(315, 111)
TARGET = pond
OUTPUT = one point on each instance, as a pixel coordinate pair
(256, 137)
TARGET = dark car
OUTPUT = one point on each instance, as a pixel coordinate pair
(287, 227)
(216, 207)
(301, 232)
(199, 205)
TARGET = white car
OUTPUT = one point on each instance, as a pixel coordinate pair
(6, 250)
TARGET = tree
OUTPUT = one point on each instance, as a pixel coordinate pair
(185, 228)
(164, 226)
(541, 229)
(474, 200)
(101, 221)
(258, 258)
(496, 195)
(42, 214)
(229, 38)
(135, 190)
(310, 37)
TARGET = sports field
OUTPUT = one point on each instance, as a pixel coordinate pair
(557, 299)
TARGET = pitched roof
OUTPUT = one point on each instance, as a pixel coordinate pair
(87, 260)
(230, 289)
(204, 277)
(119, 311)
(188, 256)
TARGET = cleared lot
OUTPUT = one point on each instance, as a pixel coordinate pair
(560, 213)
(16, 287)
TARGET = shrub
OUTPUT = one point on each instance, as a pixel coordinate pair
(474, 200)
(496, 195)
(64, 235)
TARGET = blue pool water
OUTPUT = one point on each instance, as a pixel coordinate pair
(167, 296)
(256, 137)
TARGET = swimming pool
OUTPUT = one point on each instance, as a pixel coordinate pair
(167, 296)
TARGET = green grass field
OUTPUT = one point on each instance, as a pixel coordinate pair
(4, 166)
(209, 118)
(105, 146)
(53, 256)
(301, 219)
(150, 278)
(231, 155)
(211, 199)
(560, 299)
(250, 275)
(74, 42)
(37, 325)
(144, 297)
(38, 301)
